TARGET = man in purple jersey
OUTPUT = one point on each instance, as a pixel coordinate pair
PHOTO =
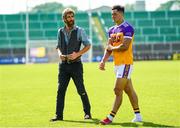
(120, 45)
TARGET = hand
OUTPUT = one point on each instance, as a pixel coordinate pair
(63, 57)
(110, 41)
(109, 47)
(102, 66)
(72, 56)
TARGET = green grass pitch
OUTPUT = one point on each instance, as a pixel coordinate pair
(28, 95)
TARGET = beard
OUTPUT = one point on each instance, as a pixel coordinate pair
(70, 23)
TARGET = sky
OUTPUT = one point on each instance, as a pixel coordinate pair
(15, 6)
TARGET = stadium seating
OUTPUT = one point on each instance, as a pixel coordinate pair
(41, 27)
(150, 27)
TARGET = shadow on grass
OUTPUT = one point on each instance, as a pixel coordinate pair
(90, 121)
(140, 124)
(127, 124)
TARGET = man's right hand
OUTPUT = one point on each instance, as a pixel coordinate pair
(63, 57)
(102, 66)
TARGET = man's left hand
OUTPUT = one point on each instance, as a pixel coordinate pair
(72, 56)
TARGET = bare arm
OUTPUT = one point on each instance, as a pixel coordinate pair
(107, 52)
(84, 50)
(105, 57)
(74, 55)
(122, 47)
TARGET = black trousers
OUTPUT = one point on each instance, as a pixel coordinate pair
(66, 72)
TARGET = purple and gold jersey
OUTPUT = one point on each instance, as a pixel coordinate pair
(124, 30)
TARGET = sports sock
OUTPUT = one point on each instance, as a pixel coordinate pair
(111, 115)
(136, 111)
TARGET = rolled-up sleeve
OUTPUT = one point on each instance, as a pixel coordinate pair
(58, 40)
(84, 37)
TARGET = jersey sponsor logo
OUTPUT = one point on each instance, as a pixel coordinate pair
(117, 37)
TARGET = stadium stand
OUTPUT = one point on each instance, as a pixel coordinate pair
(41, 27)
(156, 33)
(160, 28)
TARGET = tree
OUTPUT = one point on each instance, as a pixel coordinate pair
(52, 7)
(168, 5)
(129, 7)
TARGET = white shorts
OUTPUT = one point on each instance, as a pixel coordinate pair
(123, 71)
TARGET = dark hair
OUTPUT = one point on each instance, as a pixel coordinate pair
(118, 8)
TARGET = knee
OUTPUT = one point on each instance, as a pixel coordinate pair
(127, 91)
(117, 91)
